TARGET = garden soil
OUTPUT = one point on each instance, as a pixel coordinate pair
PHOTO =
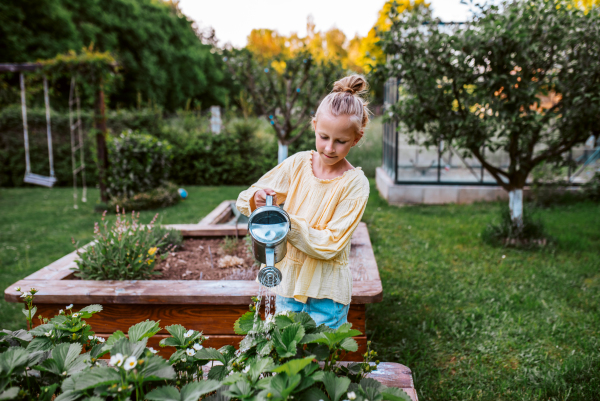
(208, 259)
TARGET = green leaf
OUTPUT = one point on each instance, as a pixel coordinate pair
(259, 366)
(217, 372)
(12, 359)
(20, 334)
(265, 348)
(210, 354)
(372, 389)
(313, 394)
(349, 344)
(305, 320)
(112, 339)
(320, 351)
(282, 321)
(294, 366)
(244, 324)
(92, 378)
(335, 386)
(89, 310)
(41, 329)
(156, 368)
(129, 348)
(165, 393)
(143, 330)
(287, 341)
(10, 394)
(46, 393)
(395, 394)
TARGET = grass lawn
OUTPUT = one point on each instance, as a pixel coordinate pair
(472, 321)
(475, 322)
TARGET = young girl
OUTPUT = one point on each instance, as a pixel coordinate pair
(325, 197)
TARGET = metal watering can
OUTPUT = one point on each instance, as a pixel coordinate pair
(269, 226)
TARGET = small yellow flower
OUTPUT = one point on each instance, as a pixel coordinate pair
(152, 250)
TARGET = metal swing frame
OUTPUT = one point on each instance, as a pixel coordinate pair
(30, 177)
(76, 143)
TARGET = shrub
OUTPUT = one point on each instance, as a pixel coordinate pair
(163, 196)
(60, 359)
(138, 163)
(591, 189)
(506, 233)
(126, 250)
(166, 238)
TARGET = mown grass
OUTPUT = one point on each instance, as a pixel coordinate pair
(475, 322)
(470, 323)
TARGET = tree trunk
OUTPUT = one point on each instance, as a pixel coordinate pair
(282, 152)
(100, 125)
(515, 203)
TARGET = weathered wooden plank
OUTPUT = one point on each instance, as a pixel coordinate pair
(216, 215)
(180, 292)
(216, 230)
(210, 319)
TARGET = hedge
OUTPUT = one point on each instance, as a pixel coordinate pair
(234, 157)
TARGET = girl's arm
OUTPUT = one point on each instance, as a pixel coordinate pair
(328, 242)
(278, 180)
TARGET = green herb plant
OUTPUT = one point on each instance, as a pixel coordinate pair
(125, 250)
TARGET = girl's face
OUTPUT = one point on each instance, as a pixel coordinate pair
(335, 136)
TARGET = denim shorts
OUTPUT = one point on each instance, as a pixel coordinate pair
(323, 311)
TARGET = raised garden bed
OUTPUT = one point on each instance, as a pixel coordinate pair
(210, 306)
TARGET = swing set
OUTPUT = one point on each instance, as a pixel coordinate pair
(69, 63)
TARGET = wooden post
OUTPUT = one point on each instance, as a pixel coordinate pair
(100, 125)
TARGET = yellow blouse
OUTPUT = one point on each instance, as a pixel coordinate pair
(324, 214)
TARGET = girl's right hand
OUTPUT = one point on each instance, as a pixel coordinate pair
(260, 197)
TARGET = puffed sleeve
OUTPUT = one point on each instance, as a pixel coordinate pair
(328, 242)
(278, 179)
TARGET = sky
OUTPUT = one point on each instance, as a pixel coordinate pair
(234, 19)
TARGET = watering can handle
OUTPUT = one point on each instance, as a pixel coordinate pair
(269, 200)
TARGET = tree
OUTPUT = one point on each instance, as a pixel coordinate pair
(523, 78)
(161, 52)
(285, 91)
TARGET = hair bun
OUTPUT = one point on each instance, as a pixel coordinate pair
(353, 84)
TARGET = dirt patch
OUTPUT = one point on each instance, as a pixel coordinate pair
(209, 259)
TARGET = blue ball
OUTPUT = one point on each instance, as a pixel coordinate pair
(183, 193)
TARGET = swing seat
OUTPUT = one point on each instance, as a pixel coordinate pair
(39, 180)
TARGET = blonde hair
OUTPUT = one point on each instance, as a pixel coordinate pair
(346, 99)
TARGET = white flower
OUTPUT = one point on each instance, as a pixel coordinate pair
(60, 312)
(189, 333)
(269, 319)
(130, 363)
(190, 352)
(246, 369)
(69, 307)
(91, 337)
(183, 359)
(100, 339)
(197, 347)
(48, 334)
(17, 288)
(25, 294)
(116, 360)
(152, 350)
(351, 395)
(76, 314)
